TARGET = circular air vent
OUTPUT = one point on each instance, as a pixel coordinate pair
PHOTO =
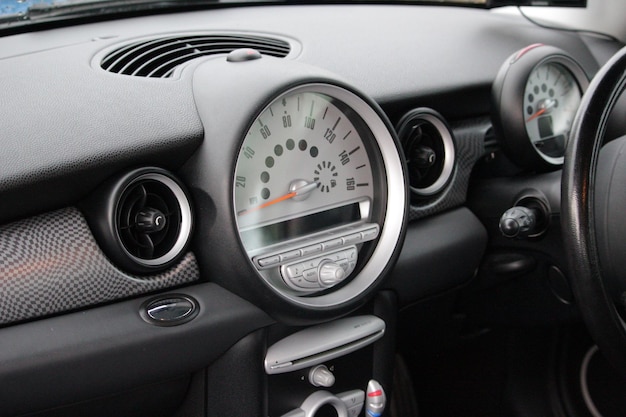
(429, 150)
(153, 219)
(143, 219)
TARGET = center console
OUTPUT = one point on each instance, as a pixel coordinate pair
(341, 368)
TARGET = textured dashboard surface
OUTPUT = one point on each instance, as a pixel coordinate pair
(51, 263)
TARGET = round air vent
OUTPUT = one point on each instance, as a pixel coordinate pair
(429, 151)
(145, 220)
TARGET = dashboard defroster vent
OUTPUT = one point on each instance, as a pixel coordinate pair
(159, 57)
(429, 149)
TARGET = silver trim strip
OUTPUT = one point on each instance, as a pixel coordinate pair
(321, 343)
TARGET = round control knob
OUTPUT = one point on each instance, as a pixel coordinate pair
(150, 220)
(518, 221)
(330, 274)
(425, 157)
(320, 376)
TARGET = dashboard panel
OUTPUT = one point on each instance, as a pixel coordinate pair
(297, 167)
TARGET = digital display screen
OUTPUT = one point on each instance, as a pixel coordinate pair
(545, 127)
(301, 226)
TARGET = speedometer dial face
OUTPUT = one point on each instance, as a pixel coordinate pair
(303, 167)
(551, 99)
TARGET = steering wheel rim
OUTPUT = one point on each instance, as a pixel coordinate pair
(578, 218)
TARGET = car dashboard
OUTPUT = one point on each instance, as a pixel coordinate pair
(313, 164)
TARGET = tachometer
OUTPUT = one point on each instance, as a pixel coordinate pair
(535, 97)
(551, 99)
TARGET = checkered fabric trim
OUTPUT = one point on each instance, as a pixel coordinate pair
(51, 264)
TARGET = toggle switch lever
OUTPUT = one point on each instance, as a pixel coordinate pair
(375, 399)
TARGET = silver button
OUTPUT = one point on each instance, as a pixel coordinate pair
(344, 264)
(313, 263)
(310, 250)
(302, 283)
(369, 234)
(310, 275)
(295, 270)
(331, 244)
(352, 239)
(288, 256)
(269, 261)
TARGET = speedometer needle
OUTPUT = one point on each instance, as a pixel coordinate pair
(297, 191)
(537, 114)
(543, 107)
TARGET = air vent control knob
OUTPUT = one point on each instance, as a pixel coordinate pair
(330, 274)
(150, 220)
(425, 157)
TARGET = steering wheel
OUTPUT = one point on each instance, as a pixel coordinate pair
(593, 213)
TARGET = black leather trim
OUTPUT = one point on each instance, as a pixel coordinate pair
(577, 200)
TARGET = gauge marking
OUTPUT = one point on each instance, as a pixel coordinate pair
(363, 184)
(265, 130)
(344, 157)
(325, 111)
(336, 123)
(354, 150)
(360, 166)
(346, 137)
(271, 111)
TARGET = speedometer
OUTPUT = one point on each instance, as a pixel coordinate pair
(303, 157)
(310, 189)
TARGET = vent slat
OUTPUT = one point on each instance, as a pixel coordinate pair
(118, 59)
(159, 57)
